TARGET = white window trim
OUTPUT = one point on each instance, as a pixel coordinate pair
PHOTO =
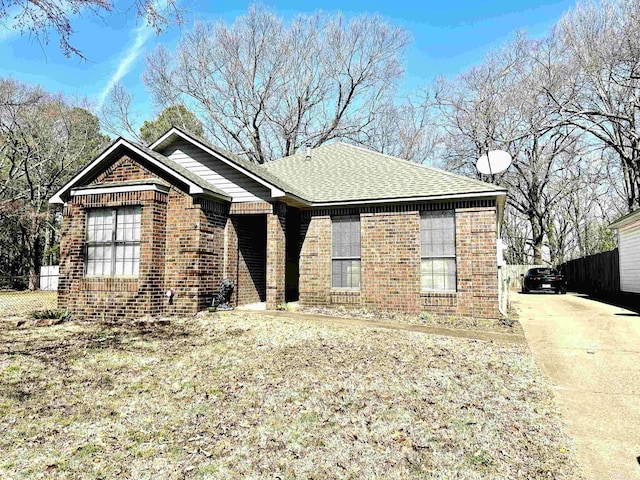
(432, 257)
(113, 243)
(359, 258)
(119, 189)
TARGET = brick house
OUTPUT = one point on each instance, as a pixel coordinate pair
(337, 225)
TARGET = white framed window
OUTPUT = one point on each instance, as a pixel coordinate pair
(345, 252)
(113, 242)
(438, 251)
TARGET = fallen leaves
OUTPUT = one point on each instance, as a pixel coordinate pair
(249, 396)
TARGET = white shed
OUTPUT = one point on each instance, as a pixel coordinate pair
(629, 248)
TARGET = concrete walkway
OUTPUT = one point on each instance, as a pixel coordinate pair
(407, 327)
(590, 351)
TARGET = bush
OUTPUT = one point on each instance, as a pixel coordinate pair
(48, 314)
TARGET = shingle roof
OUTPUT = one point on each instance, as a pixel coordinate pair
(340, 172)
(179, 169)
(626, 219)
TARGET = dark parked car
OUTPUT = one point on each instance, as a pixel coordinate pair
(544, 279)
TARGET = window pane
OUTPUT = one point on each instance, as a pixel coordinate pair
(127, 259)
(98, 260)
(437, 234)
(345, 274)
(345, 248)
(426, 275)
(91, 264)
(128, 227)
(438, 274)
(346, 236)
(99, 225)
(353, 274)
(355, 237)
(126, 249)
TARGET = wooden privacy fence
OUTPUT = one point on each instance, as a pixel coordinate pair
(595, 274)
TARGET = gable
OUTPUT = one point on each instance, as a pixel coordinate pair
(237, 185)
(124, 169)
(166, 168)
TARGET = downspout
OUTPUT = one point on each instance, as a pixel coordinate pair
(500, 293)
(500, 201)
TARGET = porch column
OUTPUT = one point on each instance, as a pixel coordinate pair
(276, 256)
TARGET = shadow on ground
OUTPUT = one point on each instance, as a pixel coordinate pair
(629, 301)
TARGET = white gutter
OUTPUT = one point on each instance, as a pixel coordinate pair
(412, 199)
(117, 189)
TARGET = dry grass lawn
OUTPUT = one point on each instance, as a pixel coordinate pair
(247, 396)
(24, 303)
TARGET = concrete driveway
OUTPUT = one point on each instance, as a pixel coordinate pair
(590, 352)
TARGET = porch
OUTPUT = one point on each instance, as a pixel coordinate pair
(262, 245)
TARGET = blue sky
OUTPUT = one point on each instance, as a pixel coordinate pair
(448, 37)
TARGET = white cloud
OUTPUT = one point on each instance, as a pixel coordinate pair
(142, 34)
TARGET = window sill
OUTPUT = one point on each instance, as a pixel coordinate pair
(439, 299)
(110, 277)
(109, 284)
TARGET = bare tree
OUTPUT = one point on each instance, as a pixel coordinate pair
(38, 17)
(405, 129)
(602, 47)
(502, 104)
(117, 115)
(43, 142)
(270, 87)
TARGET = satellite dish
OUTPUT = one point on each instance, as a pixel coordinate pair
(495, 161)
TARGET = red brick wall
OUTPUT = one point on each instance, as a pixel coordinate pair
(181, 246)
(477, 263)
(191, 245)
(390, 262)
(315, 261)
(276, 256)
(113, 298)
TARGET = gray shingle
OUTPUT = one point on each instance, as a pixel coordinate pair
(340, 172)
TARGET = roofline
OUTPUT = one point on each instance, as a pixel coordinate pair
(106, 188)
(193, 188)
(626, 219)
(452, 196)
(275, 191)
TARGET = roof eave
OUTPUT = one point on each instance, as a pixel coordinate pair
(58, 197)
(625, 220)
(453, 196)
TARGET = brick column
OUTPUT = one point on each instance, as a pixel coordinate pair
(71, 253)
(276, 256)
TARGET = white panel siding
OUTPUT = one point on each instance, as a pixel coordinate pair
(630, 258)
(240, 187)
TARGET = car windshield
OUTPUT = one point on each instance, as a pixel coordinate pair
(542, 271)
